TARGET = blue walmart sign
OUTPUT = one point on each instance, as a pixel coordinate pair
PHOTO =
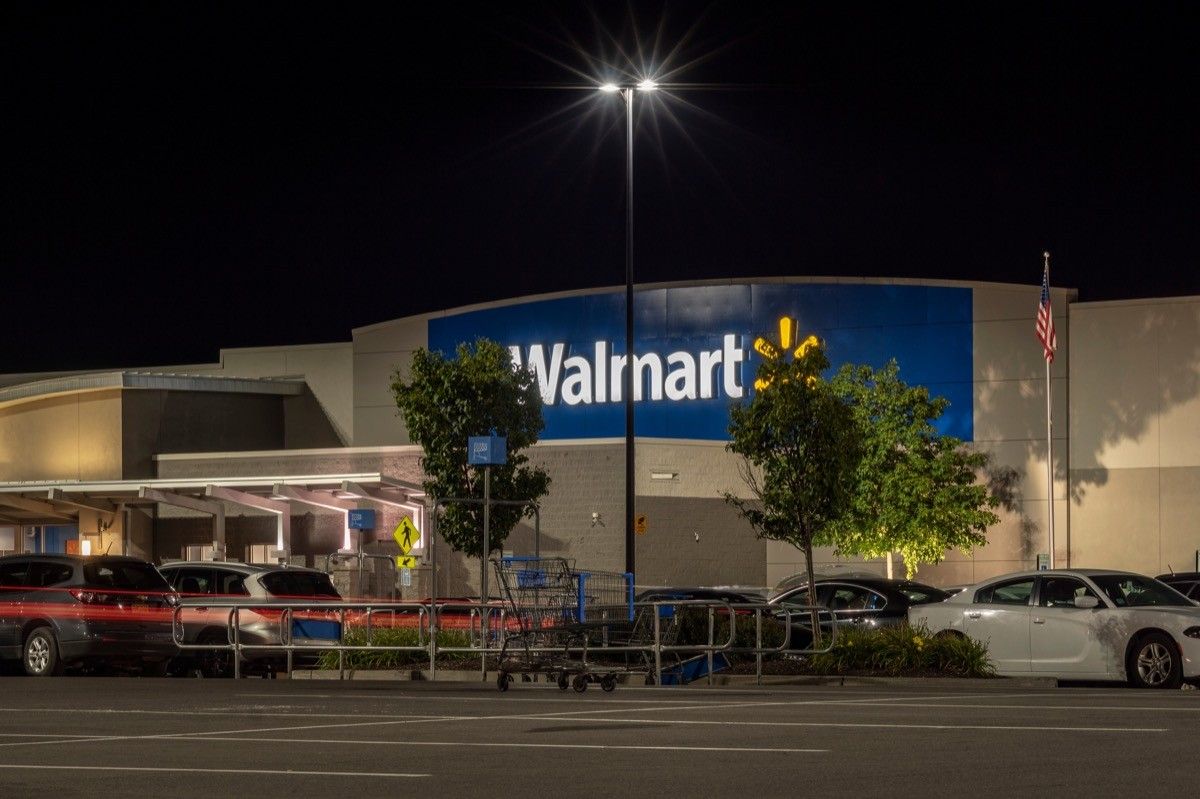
(693, 353)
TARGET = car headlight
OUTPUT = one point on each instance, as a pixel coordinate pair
(1192, 632)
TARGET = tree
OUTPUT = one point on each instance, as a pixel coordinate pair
(799, 445)
(916, 491)
(476, 393)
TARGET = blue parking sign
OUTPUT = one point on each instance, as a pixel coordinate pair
(486, 450)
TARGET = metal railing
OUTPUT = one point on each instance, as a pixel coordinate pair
(485, 628)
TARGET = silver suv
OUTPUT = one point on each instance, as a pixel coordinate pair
(201, 583)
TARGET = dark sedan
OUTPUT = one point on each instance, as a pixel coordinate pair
(864, 601)
(65, 610)
(1186, 583)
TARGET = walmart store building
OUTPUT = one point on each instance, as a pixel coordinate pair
(263, 454)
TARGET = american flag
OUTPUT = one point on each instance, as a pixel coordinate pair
(1045, 320)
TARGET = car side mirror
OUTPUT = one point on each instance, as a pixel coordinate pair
(1087, 602)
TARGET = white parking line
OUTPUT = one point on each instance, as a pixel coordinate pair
(507, 745)
(848, 724)
(270, 772)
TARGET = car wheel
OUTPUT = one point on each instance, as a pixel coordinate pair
(1154, 662)
(215, 663)
(40, 655)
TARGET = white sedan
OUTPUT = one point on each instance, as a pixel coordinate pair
(1077, 624)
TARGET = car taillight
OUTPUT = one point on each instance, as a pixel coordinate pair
(88, 597)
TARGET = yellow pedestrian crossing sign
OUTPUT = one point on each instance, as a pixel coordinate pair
(406, 562)
(407, 535)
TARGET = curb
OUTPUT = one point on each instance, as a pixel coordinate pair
(738, 680)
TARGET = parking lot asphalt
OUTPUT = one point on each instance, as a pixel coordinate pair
(105, 737)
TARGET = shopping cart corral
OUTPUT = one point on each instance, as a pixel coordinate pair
(556, 612)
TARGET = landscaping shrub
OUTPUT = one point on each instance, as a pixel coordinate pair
(393, 659)
(902, 650)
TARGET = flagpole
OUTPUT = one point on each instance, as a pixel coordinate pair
(1049, 444)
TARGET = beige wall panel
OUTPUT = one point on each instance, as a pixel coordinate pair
(1180, 497)
(1009, 350)
(1115, 391)
(1179, 435)
(1029, 459)
(1117, 527)
(1179, 376)
(1007, 410)
(378, 427)
(373, 377)
(401, 334)
(1018, 302)
(100, 443)
(72, 437)
(326, 368)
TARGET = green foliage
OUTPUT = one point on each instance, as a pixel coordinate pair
(800, 446)
(392, 659)
(916, 490)
(693, 628)
(902, 650)
(446, 401)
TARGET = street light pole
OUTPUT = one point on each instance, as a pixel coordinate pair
(627, 93)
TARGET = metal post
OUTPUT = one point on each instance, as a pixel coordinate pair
(629, 442)
(758, 655)
(1049, 465)
(657, 647)
(433, 591)
(484, 615)
(711, 633)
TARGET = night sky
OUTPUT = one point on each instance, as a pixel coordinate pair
(185, 177)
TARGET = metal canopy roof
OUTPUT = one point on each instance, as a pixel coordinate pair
(60, 501)
(100, 381)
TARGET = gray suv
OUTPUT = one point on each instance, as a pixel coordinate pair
(67, 611)
(204, 586)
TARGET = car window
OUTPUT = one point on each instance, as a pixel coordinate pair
(191, 582)
(299, 584)
(1133, 590)
(14, 575)
(855, 597)
(127, 575)
(47, 574)
(1013, 592)
(798, 597)
(1060, 592)
(231, 584)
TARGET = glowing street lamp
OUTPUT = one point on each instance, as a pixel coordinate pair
(627, 92)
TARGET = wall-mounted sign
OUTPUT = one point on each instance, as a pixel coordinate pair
(694, 354)
(361, 519)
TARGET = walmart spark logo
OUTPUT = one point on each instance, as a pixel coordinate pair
(787, 339)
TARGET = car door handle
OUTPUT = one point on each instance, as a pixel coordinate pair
(974, 615)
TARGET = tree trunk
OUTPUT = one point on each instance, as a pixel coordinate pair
(812, 595)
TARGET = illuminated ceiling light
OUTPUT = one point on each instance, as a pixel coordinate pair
(647, 85)
(609, 88)
(663, 475)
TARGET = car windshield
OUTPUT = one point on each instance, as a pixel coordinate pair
(124, 574)
(1133, 591)
(299, 584)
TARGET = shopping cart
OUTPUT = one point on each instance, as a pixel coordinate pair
(556, 612)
